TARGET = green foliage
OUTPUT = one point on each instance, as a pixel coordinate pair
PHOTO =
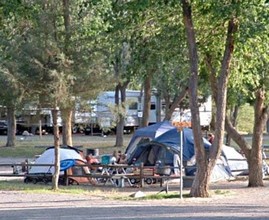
(246, 119)
(250, 64)
(55, 60)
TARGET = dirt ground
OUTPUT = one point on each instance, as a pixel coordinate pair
(229, 200)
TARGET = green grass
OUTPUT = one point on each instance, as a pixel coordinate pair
(35, 145)
(19, 185)
(222, 192)
(27, 152)
(165, 196)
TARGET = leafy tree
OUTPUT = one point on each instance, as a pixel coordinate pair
(205, 163)
(61, 59)
(254, 86)
(241, 21)
(14, 92)
(245, 80)
(89, 60)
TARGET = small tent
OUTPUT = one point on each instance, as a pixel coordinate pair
(48, 157)
(234, 162)
(67, 154)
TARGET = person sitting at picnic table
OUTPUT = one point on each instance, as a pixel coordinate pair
(122, 159)
(210, 138)
(92, 160)
(114, 158)
(118, 156)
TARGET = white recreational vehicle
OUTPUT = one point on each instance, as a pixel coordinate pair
(105, 106)
(205, 111)
(105, 111)
(100, 114)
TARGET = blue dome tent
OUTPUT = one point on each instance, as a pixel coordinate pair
(146, 134)
(163, 147)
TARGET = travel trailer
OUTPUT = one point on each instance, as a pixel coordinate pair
(105, 106)
(205, 111)
(105, 116)
(99, 115)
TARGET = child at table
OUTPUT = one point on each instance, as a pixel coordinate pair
(114, 158)
(122, 159)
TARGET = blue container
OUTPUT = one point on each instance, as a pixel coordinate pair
(105, 159)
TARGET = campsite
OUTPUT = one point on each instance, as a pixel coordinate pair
(154, 146)
(224, 200)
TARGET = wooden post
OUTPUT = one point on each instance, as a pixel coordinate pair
(142, 175)
(66, 178)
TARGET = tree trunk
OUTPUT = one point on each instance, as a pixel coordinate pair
(67, 112)
(121, 103)
(254, 153)
(55, 177)
(66, 16)
(11, 123)
(175, 104)
(221, 96)
(234, 115)
(120, 116)
(200, 184)
(147, 100)
(255, 160)
(202, 179)
(67, 126)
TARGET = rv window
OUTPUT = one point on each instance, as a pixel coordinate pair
(133, 106)
(152, 107)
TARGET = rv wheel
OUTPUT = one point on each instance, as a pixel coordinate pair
(34, 180)
(133, 181)
(148, 181)
(45, 180)
(27, 180)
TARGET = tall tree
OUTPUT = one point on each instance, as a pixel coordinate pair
(13, 26)
(254, 89)
(205, 163)
(247, 76)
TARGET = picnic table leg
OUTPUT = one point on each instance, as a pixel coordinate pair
(66, 178)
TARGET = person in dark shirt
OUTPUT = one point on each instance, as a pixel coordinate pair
(210, 137)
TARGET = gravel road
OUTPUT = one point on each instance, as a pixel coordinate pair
(236, 202)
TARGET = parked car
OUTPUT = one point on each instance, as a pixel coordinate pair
(3, 127)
